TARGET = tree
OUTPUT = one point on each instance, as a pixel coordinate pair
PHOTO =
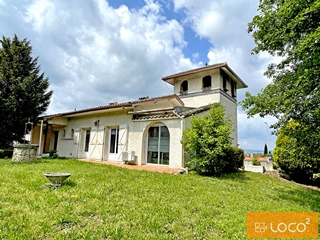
(294, 159)
(23, 89)
(265, 151)
(290, 30)
(208, 140)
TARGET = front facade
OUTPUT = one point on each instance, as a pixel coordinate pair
(145, 131)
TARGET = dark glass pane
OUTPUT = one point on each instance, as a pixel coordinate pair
(114, 140)
(86, 147)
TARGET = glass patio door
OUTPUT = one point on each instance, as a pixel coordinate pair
(158, 145)
(113, 144)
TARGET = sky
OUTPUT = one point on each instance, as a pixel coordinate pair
(101, 51)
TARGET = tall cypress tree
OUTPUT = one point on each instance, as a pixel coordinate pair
(265, 152)
(23, 89)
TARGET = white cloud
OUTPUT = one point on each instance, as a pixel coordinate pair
(95, 54)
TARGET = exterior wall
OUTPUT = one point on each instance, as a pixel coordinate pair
(138, 132)
(200, 99)
(99, 135)
(160, 104)
(195, 81)
(231, 110)
(268, 165)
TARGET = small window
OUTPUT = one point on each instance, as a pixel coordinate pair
(64, 133)
(184, 86)
(72, 133)
(225, 78)
(233, 89)
(206, 82)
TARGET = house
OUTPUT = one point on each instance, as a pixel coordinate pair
(147, 130)
(265, 161)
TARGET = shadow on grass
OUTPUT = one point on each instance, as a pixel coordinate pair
(305, 197)
(69, 183)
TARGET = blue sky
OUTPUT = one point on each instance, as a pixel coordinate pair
(101, 51)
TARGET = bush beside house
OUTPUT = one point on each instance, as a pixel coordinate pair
(207, 144)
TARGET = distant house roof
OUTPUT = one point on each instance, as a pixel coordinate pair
(261, 159)
(170, 79)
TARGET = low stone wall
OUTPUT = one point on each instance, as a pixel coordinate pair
(257, 169)
(24, 152)
(267, 165)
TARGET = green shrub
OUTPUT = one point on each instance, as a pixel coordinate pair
(255, 161)
(294, 158)
(207, 141)
(233, 159)
(6, 153)
(275, 165)
(52, 153)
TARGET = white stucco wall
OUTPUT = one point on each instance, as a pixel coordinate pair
(98, 136)
(200, 100)
(195, 81)
(138, 140)
(231, 110)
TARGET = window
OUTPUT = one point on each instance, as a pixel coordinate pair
(206, 82)
(225, 78)
(184, 86)
(55, 144)
(64, 133)
(233, 89)
(158, 145)
(87, 141)
(114, 140)
(72, 133)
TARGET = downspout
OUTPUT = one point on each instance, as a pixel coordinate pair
(40, 138)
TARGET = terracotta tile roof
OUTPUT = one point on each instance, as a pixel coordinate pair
(153, 117)
(110, 106)
(261, 159)
(186, 113)
(195, 110)
(209, 67)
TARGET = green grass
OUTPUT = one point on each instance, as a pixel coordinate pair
(107, 202)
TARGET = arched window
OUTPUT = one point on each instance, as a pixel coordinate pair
(158, 145)
(206, 82)
(184, 86)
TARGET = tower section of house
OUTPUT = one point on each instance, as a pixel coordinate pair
(216, 83)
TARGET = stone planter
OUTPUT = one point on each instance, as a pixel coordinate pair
(57, 178)
(24, 152)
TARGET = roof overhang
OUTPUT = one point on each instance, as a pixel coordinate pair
(224, 66)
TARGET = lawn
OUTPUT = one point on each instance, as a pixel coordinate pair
(107, 202)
